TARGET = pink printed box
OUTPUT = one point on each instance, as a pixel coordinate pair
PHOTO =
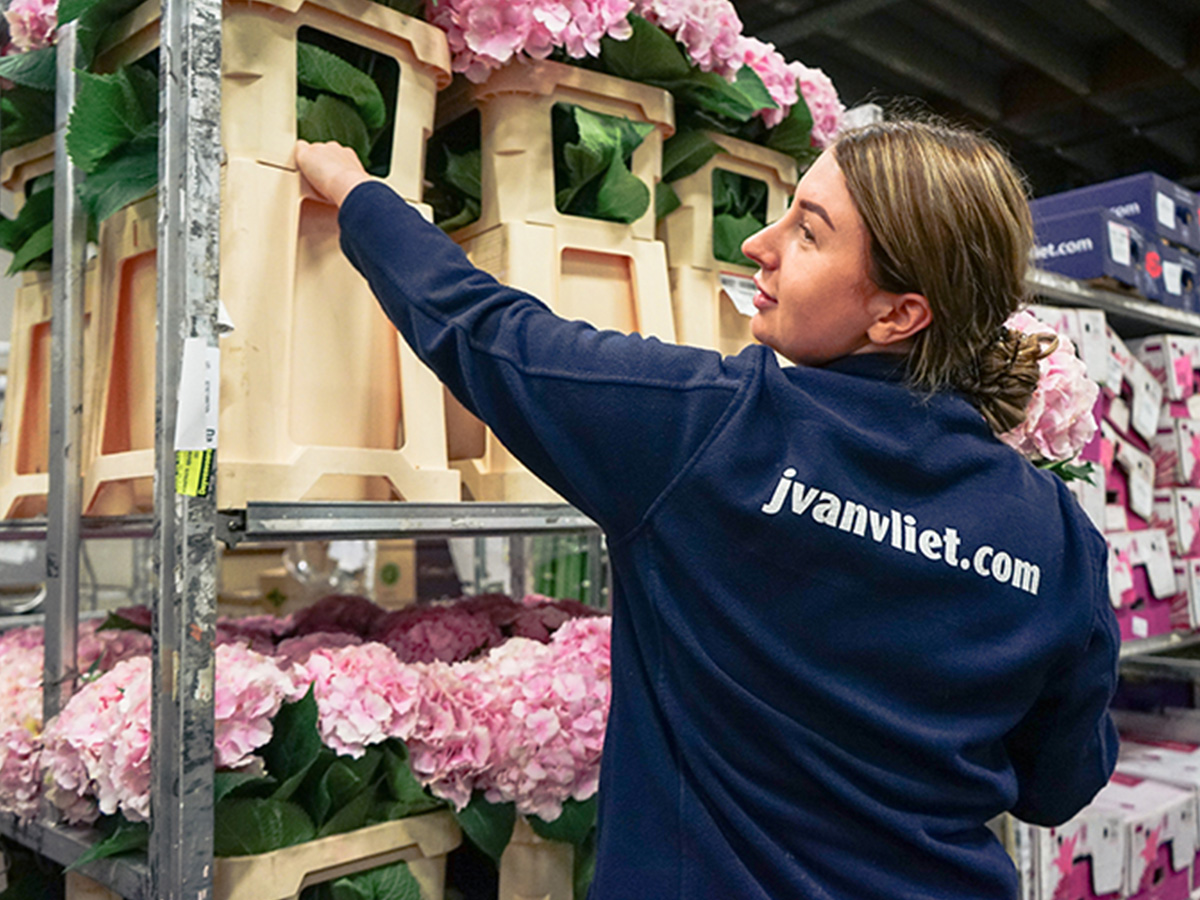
(1171, 762)
(1141, 582)
(1159, 820)
(1083, 859)
(1172, 359)
(1176, 452)
(1177, 512)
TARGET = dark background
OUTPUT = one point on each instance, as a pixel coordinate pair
(1078, 91)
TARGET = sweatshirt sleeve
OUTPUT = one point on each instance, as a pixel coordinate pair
(606, 419)
(1065, 750)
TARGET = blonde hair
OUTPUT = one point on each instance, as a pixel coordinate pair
(949, 218)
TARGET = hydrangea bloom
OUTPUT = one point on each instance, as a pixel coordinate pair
(297, 650)
(708, 29)
(484, 35)
(250, 688)
(20, 763)
(104, 649)
(364, 695)
(822, 99)
(1059, 420)
(32, 23)
(438, 633)
(338, 612)
(260, 633)
(99, 745)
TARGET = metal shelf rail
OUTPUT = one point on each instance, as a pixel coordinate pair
(1132, 316)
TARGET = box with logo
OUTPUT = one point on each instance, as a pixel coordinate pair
(1154, 203)
(1083, 859)
(1177, 512)
(1172, 359)
(1095, 243)
(1176, 450)
(1128, 480)
(1187, 609)
(1159, 821)
(1135, 396)
(1141, 582)
(1178, 277)
(1088, 331)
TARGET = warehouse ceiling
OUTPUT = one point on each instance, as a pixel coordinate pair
(1079, 91)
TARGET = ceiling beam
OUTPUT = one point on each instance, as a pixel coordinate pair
(1014, 33)
(901, 49)
(1154, 28)
(817, 21)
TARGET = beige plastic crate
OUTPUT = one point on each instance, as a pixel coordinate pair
(258, 62)
(421, 841)
(533, 868)
(21, 164)
(25, 434)
(705, 316)
(612, 280)
(517, 147)
(320, 398)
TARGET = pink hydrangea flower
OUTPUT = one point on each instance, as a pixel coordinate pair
(32, 23)
(260, 633)
(438, 633)
(104, 649)
(364, 695)
(1059, 420)
(99, 746)
(708, 29)
(20, 770)
(828, 113)
(297, 650)
(250, 688)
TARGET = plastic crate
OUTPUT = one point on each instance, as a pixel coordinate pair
(702, 285)
(320, 398)
(25, 435)
(517, 174)
(258, 84)
(22, 164)
(609, 279)
(533, 868)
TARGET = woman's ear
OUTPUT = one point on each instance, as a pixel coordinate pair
(900, 317)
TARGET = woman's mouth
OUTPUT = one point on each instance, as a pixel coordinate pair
(763, 300)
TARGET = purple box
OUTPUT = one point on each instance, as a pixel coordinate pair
(1156, 204)
(1093, 243)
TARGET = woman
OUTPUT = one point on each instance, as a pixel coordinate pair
(849, 625)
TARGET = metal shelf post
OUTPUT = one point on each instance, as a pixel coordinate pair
(185, 554)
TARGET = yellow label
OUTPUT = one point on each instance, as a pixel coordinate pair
(193, 472)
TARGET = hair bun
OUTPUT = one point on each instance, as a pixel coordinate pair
(1001, 380)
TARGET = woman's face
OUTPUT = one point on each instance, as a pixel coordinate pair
(816, 299)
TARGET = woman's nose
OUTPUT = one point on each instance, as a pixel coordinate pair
(757, 247)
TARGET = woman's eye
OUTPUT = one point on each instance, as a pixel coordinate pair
(807, 232)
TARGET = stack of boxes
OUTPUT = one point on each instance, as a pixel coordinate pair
(1141, 232)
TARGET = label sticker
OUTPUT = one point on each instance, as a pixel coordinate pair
(1173, 277)
(197, 412)
(1147, 401)
(741, 291)
(1140, 627)
(193, 472)
(1164, 207)
(1120, 245)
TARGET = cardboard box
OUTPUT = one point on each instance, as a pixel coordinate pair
(1083, 859)
(1176, 451)
(1141, 582)
(1177, 512)
(1172, 359)
(1095, 243)
(1154, 203)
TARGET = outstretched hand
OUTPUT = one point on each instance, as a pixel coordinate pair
(331, 168)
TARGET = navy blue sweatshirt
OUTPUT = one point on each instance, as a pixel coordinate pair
(849, 625)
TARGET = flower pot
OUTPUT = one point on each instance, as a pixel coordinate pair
(611, 274)
(320, 397)
(712, 299)
(258, 84)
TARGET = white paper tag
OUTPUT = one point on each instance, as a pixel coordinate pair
(1159, 567)
(199, 385)
(1139, 626)
(1164, 208)
(1093, 344)
(1115, 518)
(1147, 401)
(1193, 406)
(1120, 566)
(741, 291)
(1119, 356)
(1141, 491)
(1120, 247)
(224, 322)
(1118, 415)
(1173, 277)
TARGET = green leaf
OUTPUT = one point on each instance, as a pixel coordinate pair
(96, 18)
(1069, 471)
(710, 92)
(344, 780)
(488, 825)
(329, 119)
(350, 816)
(36, 69)
(248, 825)
(114, 622)
(650, 54)
(739, 195)
(748, 82)
(463, 172)
(622, 196)
(228, 783)
(468, 214)
(294, 745)
(39, 244)
(584, 866)
(685, 152)
(129, 174)
(25, 115)
(392, 882)
(793, 135)
(729, 233)
(110, 112)
(666, 200)
(402, 784)
(122, 836)
(414, 8)
(35, 213)
(572, 827)
(321, 70)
